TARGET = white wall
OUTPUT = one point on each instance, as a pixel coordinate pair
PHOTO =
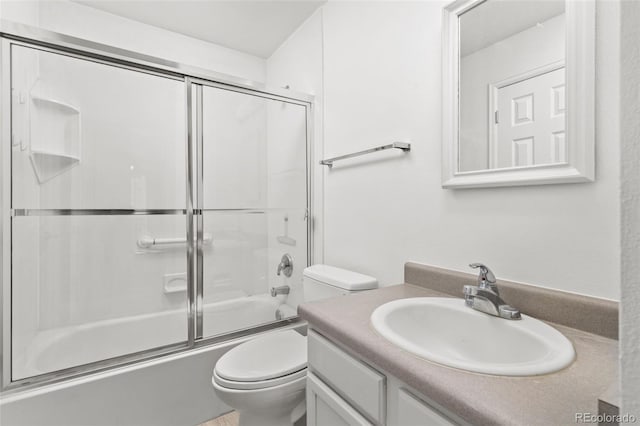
(381, 83)
(630, 125)
(524, 51)
(92, 24)
(23, 11)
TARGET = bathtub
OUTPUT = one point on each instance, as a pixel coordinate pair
(172, 390)
(60, 348)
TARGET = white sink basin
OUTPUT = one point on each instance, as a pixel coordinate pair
(445, 331)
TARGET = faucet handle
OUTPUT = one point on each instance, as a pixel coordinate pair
(486, 277)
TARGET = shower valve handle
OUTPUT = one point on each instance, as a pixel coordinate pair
(286, 265)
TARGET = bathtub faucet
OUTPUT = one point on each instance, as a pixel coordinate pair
(283, 289)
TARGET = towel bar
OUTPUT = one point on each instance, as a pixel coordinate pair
(398, 145)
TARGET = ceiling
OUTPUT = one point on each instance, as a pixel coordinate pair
(495, 20)
(254, 27)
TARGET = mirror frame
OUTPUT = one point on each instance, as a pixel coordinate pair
(579, 118)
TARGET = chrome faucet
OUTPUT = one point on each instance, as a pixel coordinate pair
(486, 297)
(286, 265)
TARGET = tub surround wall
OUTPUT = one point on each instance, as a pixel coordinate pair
(297, 64)
(287, 214)
(590, 314)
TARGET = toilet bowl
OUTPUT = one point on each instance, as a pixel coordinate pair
(264, 379)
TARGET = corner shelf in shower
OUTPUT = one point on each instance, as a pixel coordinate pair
(54, 137)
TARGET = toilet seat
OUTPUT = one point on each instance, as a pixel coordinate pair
(259, 384)
(263, 362)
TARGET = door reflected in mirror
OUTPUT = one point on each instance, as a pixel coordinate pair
(512, 109)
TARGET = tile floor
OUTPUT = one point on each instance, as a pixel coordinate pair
(229, 419)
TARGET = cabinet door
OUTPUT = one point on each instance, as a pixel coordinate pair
(326, 408)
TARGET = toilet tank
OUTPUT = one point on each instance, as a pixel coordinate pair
(323, 281)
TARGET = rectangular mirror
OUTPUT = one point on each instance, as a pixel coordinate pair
(518, 92)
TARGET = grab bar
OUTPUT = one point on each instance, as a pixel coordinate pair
(399, 145)
(149, 242)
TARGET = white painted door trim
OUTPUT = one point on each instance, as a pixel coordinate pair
(493, 103)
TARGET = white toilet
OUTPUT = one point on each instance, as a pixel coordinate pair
(264, 379)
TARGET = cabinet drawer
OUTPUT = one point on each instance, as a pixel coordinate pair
(415, 412)
(326, 408)
(355, 381)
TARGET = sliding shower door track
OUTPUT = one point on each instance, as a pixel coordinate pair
(94, 212)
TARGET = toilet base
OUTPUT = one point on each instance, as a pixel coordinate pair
(280, 405)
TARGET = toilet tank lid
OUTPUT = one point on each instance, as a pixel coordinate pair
(340, 278)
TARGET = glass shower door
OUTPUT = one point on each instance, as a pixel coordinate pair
(104, 200)
(253, 200)
(98, 227)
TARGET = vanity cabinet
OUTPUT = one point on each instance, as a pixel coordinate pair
(344, 390)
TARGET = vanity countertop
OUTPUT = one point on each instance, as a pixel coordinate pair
(552, 399)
